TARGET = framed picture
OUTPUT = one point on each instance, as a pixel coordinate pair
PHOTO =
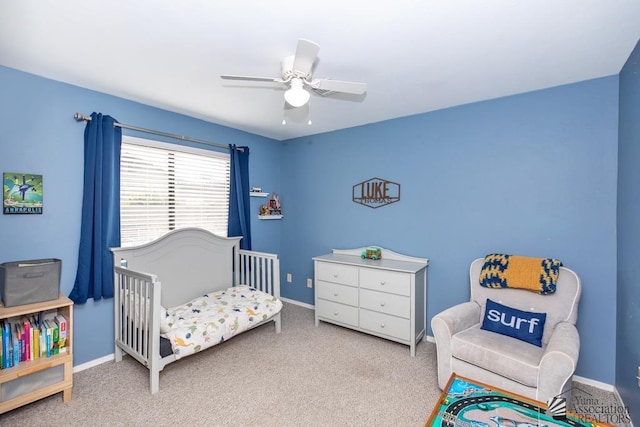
(21, 193)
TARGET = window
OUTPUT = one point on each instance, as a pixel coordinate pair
(164, 187)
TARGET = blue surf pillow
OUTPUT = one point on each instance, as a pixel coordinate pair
(523, 325)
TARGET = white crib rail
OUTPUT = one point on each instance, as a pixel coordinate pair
(259, 270)
(137, 314)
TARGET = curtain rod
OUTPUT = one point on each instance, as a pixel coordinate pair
(81, 117)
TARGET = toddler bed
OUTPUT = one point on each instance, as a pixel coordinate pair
(187, 291)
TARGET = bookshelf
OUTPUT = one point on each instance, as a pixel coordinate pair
(42, 377)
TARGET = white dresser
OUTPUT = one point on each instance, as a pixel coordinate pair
(384, 297)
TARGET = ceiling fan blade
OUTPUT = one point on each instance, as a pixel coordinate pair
(251, 78)
(339, 86)
(306, 54)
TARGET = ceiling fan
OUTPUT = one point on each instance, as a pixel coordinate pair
(297, 75)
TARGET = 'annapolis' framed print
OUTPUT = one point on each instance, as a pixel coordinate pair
(21, 193)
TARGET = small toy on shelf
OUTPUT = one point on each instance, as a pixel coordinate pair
(275, 208)
(372, 252)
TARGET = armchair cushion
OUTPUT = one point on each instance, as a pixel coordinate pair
(523, 325)
(513, 359)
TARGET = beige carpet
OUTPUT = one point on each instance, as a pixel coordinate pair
(305, 376)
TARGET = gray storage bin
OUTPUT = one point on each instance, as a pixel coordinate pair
(28, 383)
(28, 282)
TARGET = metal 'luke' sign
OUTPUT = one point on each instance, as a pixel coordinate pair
(376, 192)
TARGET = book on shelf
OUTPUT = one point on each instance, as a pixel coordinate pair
(55, 333)
(7, 359)
(62, 326)
(43, 340)
(31, 343)
(27, 339)
(16, 347)
(32, 325)
(19, 343)
(49, 338)
(6, 354)
(36, 341)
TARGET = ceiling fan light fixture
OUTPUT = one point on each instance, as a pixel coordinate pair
(296, 96)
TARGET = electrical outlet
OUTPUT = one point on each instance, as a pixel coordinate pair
(309, 283)
(289, 278)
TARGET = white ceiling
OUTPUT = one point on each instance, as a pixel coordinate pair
(415, 55)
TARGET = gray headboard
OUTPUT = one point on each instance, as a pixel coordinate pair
(188, 262)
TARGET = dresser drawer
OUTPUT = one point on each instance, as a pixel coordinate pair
(337, 273)
(385, 324)
(336, 292)
(397, 305)
(333, 311)
(385, 281)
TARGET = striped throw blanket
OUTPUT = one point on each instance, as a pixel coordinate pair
(513, 271)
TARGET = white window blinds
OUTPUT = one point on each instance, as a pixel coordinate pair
(165, 187)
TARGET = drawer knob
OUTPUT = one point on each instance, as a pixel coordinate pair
(335, 274)
(382, 282)
(382, 304)
(335, 294)
(335, 313)
(382, 325)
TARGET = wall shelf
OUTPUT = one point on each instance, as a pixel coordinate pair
(270, 216)
(266, 207)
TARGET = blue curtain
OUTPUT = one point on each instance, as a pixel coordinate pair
(239, 209)
(100, 228)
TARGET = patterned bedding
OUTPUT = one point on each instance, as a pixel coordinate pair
(216, 317)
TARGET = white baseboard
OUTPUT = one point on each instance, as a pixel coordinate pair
(294, 302)
(429, 338)
(94, 362)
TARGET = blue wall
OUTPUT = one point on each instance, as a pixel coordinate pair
(628, 322)
(532, 174)
(39, 135)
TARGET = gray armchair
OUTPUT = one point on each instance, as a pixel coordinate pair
(508, 363)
